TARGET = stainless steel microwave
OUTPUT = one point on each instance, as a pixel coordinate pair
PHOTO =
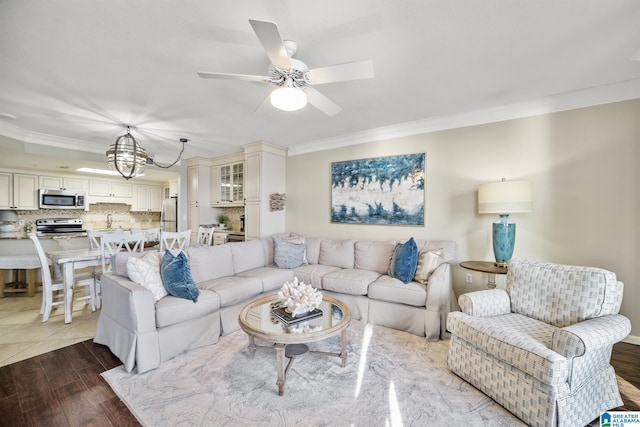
(61, 199)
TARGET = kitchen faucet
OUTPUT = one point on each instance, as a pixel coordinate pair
(109, 221)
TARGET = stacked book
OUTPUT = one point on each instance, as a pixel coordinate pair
(285, 317)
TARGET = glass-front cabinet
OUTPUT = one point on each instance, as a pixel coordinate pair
(230, 177)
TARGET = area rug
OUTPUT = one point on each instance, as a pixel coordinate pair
(392, 378)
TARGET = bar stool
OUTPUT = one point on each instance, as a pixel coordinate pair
(26, 265)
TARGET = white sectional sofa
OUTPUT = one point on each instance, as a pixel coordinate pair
(144, 333)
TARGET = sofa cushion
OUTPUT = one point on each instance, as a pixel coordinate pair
(171, 310)
(374, 255)
(337, 253)
(145, 271)
(312, 274)
(520, 341)
(313, 250)
(176, 276)
(272, 278)
(389, 289)
(428, 261)
(404, 261)
(210, 262)
(248, 255)
(349, 281)
(233, 290)
(288, 252)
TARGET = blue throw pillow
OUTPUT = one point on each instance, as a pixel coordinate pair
(176, 276)
(288, 254)
(404, 261)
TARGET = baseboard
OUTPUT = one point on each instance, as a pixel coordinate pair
(632, 339)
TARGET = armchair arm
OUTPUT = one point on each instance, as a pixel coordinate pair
(577, 339)
(492, 302)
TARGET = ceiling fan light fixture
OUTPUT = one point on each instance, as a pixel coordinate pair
(288, 98)
(127, 156)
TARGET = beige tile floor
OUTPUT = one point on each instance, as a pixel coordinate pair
(23, 335)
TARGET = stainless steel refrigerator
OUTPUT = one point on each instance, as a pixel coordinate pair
(169, 215)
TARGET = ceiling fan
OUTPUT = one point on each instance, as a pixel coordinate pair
(293, 77)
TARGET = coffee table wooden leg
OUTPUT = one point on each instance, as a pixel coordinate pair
(252, 345)
(280, 362)
(343, 354)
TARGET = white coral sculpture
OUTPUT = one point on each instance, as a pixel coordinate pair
(299, 298)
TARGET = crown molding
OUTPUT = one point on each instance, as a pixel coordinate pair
(47, 140)
(617, 92)
(605, 94)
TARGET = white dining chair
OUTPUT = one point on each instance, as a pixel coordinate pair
(173, 240)
(150, 234)
(205, 236)
(51, 295)
(112, 243)
(95, 235)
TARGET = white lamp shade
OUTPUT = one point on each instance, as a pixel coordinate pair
(288, 98)
(505, 197)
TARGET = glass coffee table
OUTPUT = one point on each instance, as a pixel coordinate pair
(289, 341)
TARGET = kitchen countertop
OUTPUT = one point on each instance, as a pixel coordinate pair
(19, 235)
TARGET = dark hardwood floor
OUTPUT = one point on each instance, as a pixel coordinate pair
(64, 387)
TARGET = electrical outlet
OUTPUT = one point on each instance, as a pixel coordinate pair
(468, 278)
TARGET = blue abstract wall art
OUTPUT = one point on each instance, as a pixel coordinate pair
(381, 190)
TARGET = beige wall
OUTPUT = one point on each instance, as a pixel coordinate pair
(583, 166)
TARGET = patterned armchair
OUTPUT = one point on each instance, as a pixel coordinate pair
(541, 348)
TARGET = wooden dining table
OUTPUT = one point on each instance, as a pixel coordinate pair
(69, 261)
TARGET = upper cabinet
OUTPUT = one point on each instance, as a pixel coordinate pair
(147, 198)
(18, 191)
(63, 183)
(227, 181)
(103, 191)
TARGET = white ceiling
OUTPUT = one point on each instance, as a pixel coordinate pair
(75, 72)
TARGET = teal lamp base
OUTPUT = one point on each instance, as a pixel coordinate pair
(504, 239)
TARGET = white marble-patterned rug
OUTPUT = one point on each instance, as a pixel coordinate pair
(392, 378)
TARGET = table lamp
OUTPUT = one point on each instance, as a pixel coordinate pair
(504, 197)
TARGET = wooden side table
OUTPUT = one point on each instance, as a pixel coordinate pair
(485, 267)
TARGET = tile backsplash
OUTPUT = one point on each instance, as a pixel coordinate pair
(95, 218)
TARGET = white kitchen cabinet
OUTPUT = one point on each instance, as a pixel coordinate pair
(110, 189)
(63, 183)
(227, 180)
(198, 192)
(219, 238)
(147, 198)
(18, 191)
(265, 175)
(170, 190)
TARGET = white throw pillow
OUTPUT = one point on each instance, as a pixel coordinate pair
(145, 271)
(428, 261)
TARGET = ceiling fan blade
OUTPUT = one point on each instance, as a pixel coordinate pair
(321, 102)
(269, 36)
(342, 72)
(227, 76)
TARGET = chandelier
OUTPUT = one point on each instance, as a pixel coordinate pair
(127, 156)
